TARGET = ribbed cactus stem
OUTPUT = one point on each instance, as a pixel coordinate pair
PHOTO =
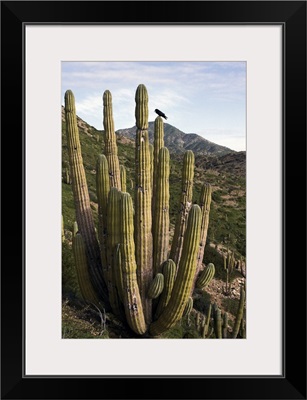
(161, 214)
(131, 296)
(113, 238)
(151, 151)
(158, 144)
(156, 286)
(102, 190)
(239, 315)
(123, 178)
(185, 275)
(205, 202)
(143, 218)
(141, 108)
(206, 276)
(218, 323)
(81, 196)
(83, 276)
(117, 272)
(169, 270)
(110, 141)
(185, 205)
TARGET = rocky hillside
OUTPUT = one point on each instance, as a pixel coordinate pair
(178, 142)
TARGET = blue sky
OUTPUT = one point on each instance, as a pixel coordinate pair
(207, 98)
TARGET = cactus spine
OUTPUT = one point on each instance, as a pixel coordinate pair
(156, 286)
(143, 221)
(206, 276)
(131, 296)
(110, 141)
(161, 220)
(84, 281)
(169, 271)
(81, 196)
(185, 205)
(185, 275)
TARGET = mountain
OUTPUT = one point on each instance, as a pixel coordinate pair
(178, 142)
(174, 139)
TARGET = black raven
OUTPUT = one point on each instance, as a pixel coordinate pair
(160, 113)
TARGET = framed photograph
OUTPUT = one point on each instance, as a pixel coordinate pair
(225, 82)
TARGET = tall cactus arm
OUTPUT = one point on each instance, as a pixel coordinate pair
(113, 238)
(185, 205)
(143, 218)
(205, 202)
(161, 215)
(81, 196)
(102, 190)
(130, 294)
(158, 144)
(110, 141)
(123, 178)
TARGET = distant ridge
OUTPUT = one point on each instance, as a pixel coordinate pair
(178, 142)
(174, 139)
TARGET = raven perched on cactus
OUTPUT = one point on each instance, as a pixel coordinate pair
(160, 113)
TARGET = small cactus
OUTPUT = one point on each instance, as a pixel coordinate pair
(206, 276)
(239, 315)
(188, 307)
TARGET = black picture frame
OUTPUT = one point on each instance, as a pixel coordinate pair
(292, 16)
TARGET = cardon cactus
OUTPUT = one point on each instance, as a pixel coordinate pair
(142, 216)
(132, 264)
